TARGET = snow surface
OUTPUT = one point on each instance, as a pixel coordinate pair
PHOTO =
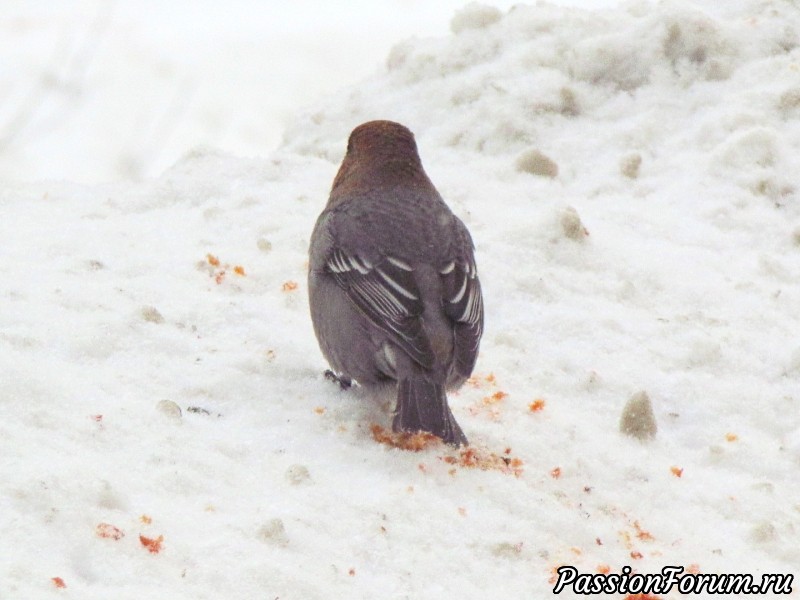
(674, 132)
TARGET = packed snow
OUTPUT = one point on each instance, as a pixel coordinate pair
(629, 176)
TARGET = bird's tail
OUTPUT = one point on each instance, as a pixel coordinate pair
(422, 406)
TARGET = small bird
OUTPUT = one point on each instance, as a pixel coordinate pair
(393, 288)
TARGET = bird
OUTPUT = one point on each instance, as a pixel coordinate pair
(394, 293)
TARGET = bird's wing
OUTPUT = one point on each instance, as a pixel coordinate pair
(387, 294)
(463, 304)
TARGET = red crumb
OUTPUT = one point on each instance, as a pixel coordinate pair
(154, 546)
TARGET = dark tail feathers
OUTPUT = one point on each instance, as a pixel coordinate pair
(422, 406)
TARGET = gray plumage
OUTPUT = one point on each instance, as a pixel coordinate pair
(393, 288)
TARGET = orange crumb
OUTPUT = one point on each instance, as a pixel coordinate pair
(731, 437)
(475, 458)
(58, 582)
(405, 440)
(641, 597)
(490, 378)
(554, 574)
(636, 554)
(239, 270)
(641, 533)
(677, 471)
(146, 519)
(212, 260)
(495, 398)
(109, 531)
(289, 286)
(153, 545)
(320, 410)
(576, 551)
(537, 405)
(555, 473)
(604, 569)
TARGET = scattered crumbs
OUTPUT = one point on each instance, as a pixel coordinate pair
(219, 277)
(109, 531)
(641, 533)
(537, 405)
(677, 471)
(495, 398)
(58, 582)
(405, 440)
(153, 545)
(289, 286)
(477, 381)
(476, 458)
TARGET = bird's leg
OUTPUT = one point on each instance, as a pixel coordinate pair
(344, 382)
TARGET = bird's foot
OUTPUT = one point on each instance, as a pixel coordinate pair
(345, 383)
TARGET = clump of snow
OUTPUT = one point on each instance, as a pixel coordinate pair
(474, 16)
(537, 163)
(638, 419)
(169, 409)
(630, 164)
(270, 483)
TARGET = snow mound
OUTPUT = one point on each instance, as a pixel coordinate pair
(166, 429)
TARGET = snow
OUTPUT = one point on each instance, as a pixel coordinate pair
(661, 256)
